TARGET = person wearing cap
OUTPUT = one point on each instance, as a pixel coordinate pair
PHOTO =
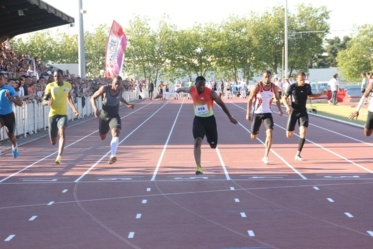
(204, 123)
(57, 94)
(8, 97)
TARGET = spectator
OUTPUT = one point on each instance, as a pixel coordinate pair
(334, 86)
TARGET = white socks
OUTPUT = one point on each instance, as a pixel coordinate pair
(114, 145)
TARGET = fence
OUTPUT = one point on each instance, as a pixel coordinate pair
(32, 117)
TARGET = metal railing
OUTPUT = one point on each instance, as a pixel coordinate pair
(32, 117)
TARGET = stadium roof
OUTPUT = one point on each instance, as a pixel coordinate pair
(24, 16)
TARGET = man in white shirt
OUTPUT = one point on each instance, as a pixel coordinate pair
(334, 86)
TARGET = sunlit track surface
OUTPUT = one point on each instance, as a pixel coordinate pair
(150, 198)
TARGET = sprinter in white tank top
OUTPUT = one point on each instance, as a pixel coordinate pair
(260, 102)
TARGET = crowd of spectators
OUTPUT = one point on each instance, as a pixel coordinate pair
(29, 76)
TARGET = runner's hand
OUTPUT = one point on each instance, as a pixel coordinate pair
(96, 113)
(234, 121)
(353, 115)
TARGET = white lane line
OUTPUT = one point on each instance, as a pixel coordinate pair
(251, 233)
(223, 164)
(330, 199)
(165, 145)
(349, 215)
(281, 158)
(10, 237)
(131, 235)
(243, 215)
(39, 180)
(236, 200)
(231, 188)
(370, 233)
(40, 160)
(33, 218)
(334, 153)
(316, 188)
(50, 203)
(148, 189)
(65, 191)
(138, 216)
(144, 201)
(125, 138)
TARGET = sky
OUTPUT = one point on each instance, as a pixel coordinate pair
(344, 16)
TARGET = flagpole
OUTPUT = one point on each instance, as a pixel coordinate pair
(286, 39)
(81, 56)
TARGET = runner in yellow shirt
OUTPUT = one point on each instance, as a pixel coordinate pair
(57, 94)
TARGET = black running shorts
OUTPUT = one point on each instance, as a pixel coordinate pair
(55, 122)
(106, 123)
(369, 122)
(206, 126)
(300, 116)
(258, 118)
(9, 121)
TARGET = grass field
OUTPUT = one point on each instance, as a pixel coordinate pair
(340, 111)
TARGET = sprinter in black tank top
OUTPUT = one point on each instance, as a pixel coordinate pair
(109, 118)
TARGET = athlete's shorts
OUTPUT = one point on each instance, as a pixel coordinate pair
(55, 123)
(9, 121)
(267, 120)
(206, 126)
(369, 122)
(301, 117)
(106, 123)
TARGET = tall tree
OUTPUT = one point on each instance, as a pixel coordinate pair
(358, 56)
(332, 48)
(309, 28)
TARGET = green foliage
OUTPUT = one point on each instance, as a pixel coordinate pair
(358, 55)
(237, 47)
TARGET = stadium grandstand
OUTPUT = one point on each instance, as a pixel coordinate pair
(24, 16)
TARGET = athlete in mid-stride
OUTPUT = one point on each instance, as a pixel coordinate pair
(57, 94)
(204, 123)
(8, 97)
(261, 95)
(109, 118)
(368, 127)
(297, 94)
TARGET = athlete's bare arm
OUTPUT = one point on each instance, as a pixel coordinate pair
(126, 103)
(214, 96)
(253, 91)
(355, 114)
(278, 101)
(183, 89)
(71, 103)
(97, 94)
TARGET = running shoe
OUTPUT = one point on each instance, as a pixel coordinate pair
(15, 153)
(112, 160)
(265, 160)
(58, 160)
(298, 158)
(199, 170)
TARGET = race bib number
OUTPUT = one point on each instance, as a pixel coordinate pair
(201, 109)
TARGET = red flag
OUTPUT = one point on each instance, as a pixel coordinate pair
(115, 48)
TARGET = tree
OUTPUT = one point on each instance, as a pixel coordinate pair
(62, 48)
(358, 56)
(309, 26)
(332, 48)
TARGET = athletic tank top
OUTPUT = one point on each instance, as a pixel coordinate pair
(263, 99)
(203, 104)
(110, 104)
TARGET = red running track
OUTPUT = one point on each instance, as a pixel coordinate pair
(150, 198)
